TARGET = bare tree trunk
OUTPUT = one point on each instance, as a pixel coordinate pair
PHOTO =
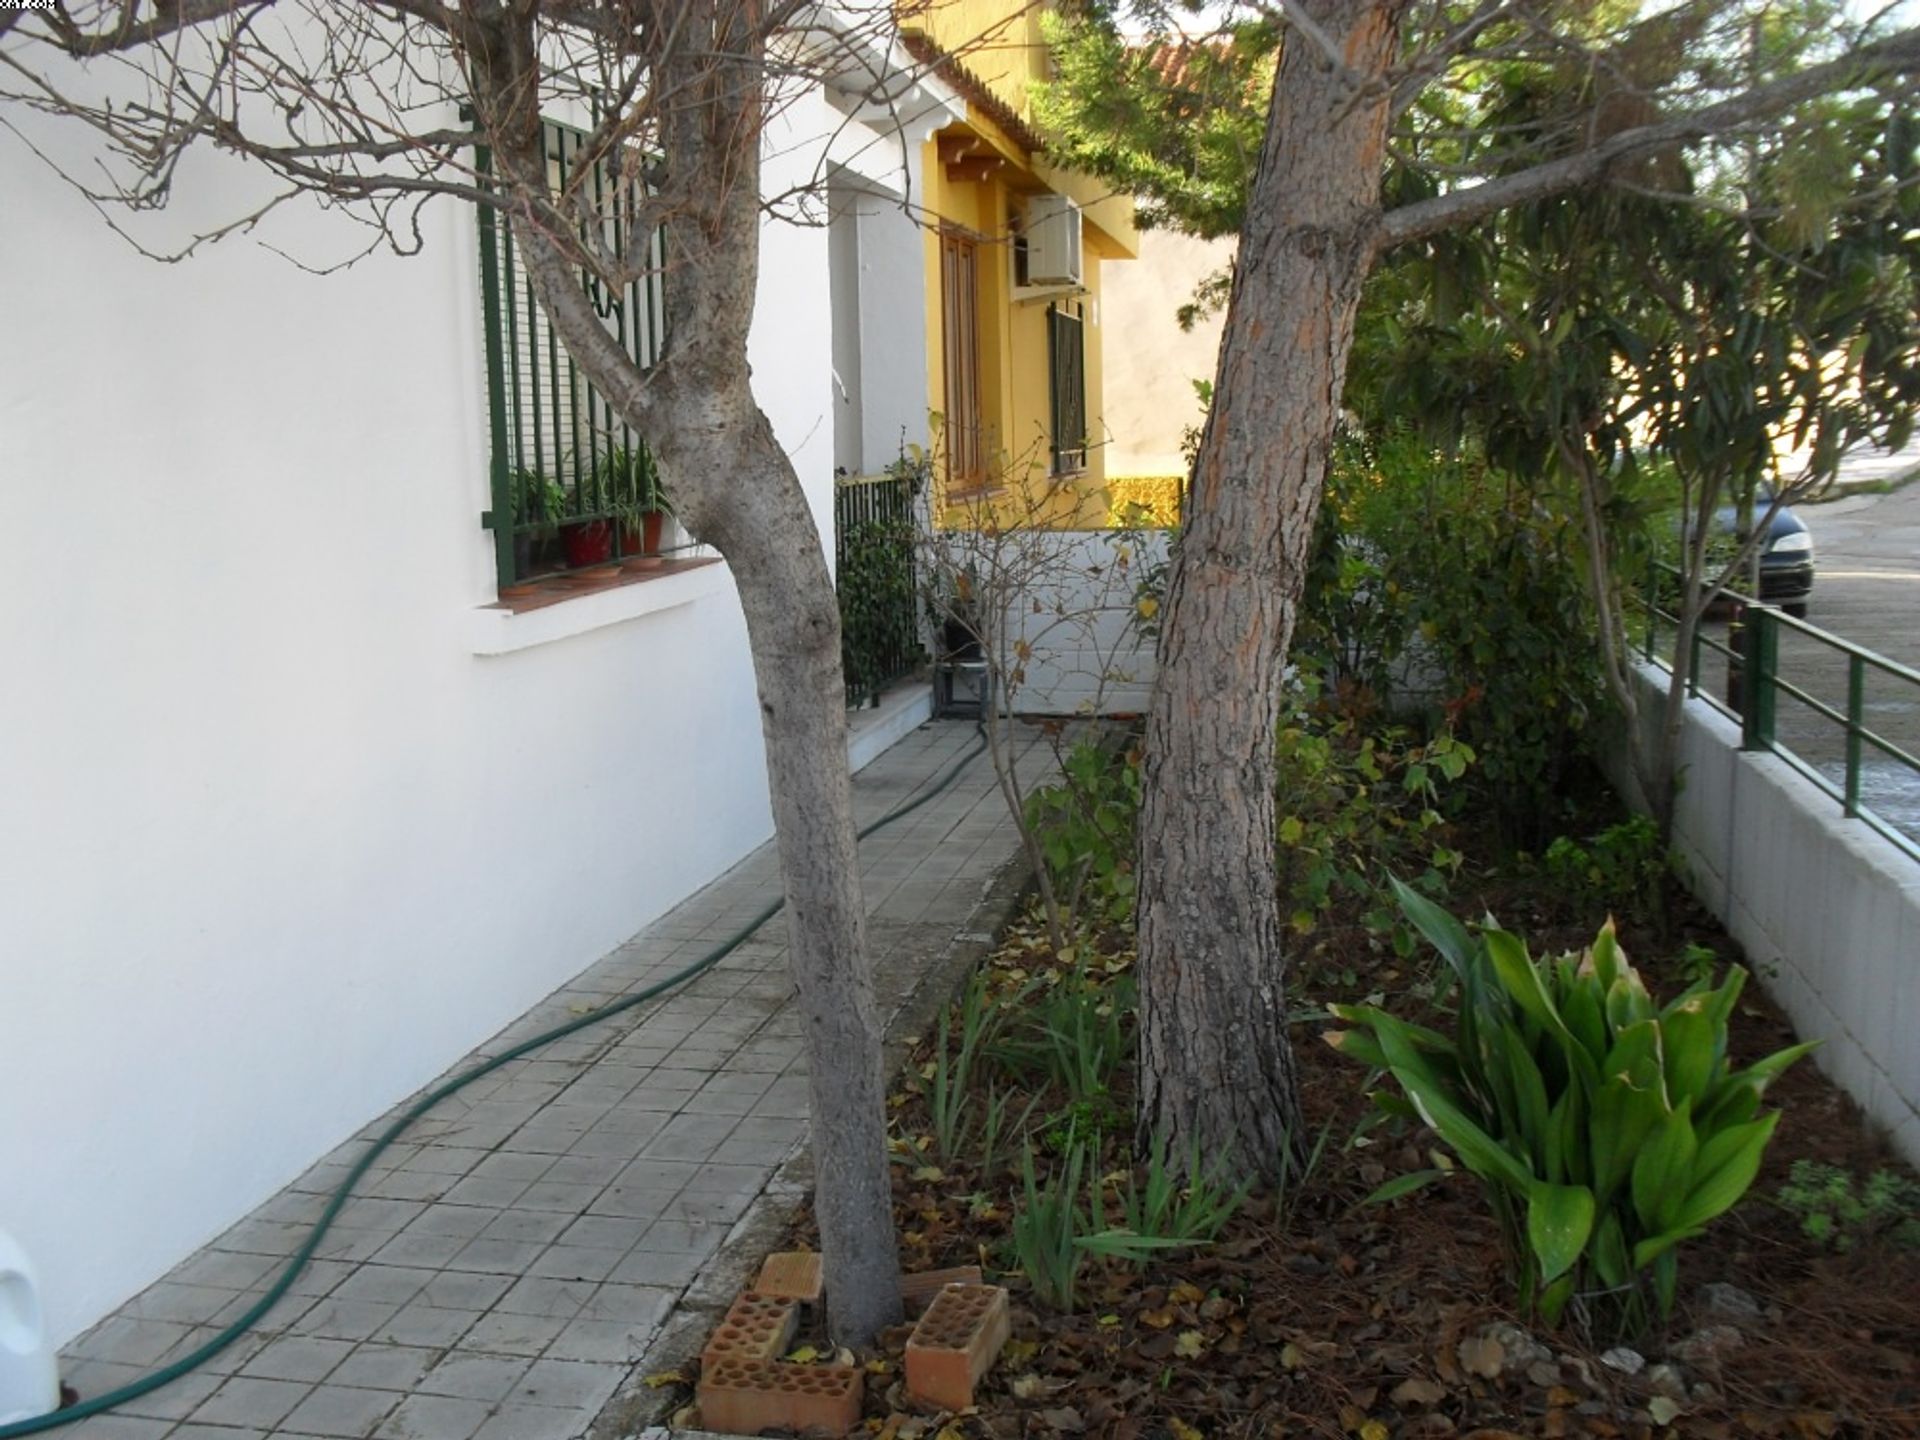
(1216, 1068)
(735, 487)
(793, 628)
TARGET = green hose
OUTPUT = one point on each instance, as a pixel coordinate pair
(133, 1389)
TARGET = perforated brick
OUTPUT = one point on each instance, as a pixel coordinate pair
(791, 1275)
(757, 1327)
(744, 1397)
(956, 1343)
(917, 1291)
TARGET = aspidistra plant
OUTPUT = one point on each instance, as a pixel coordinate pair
(1607, 1130)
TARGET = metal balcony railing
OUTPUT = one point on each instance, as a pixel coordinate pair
(1817, 701)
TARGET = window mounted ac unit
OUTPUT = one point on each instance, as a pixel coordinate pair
(1053, 241)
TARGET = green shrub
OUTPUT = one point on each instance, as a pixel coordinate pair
(1605, 1130)
(1442, 576)
(1356, 805)
(1075, 1033)
(1834, 1215)
(1622, 869)
(1052, 1235)
(1085, 826)
(950, 1077)
(1186, 1214)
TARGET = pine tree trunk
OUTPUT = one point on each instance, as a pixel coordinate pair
(1216, 1067)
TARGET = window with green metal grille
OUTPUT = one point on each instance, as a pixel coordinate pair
(572, 484)
(1067, 388)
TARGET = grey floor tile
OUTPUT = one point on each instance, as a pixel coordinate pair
(299, 1357)
(338, 1410)
(434, 1417)
(423, 1324)
(385, 1367)
(474, 1376)
(534, 1422)
(247, 1401)
(174, 1400)
(602, 1340)
(506, 1334)
(116, 1427)
(576, 1384)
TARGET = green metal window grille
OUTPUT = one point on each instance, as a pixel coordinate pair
(572, 483)
(1067, 388)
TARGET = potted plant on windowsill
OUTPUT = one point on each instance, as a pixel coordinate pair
(640, 507)
(538, 505)
(587, 539)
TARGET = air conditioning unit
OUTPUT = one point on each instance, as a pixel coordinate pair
(1053, 241)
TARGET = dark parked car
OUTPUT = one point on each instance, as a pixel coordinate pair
(1786, 560)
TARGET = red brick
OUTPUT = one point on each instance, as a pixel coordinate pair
(757, 1327)
(956, 1343)
(918, 1290)
(744, 1397)
(791, 1275)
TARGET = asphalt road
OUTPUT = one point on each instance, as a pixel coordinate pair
(1867, 591)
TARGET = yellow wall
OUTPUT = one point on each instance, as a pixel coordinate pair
(998, 42)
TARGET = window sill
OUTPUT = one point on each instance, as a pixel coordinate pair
(558, 611)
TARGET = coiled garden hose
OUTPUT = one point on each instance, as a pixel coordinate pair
(146, 1384)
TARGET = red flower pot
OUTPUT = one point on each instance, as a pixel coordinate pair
(587, 542)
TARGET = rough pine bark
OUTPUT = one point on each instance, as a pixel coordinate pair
(1216, 1067)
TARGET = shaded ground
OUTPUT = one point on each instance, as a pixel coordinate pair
(1317, 1317)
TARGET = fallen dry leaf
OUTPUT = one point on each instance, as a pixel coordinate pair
(1482, 1355)
(1418, 1392)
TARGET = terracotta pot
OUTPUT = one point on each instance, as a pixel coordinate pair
(640, 549)
(588, 542)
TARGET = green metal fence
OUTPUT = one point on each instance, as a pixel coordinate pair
(875, 521)
(572, 483)
(1771, 693)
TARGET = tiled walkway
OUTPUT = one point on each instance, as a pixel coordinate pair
(503, 1266)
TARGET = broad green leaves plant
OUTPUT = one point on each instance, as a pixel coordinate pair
(1607, 1129)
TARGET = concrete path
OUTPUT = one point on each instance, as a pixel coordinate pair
(503, 1267)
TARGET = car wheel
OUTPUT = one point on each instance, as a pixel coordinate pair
(1796, 608)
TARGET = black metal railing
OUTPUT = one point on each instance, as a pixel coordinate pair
(875, 521)
(1830, 738)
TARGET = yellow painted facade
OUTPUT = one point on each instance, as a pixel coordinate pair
(977, 178)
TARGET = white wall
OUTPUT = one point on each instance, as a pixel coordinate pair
(1151, 363)
(1073, 607)
(279, 844)
(1827, 911)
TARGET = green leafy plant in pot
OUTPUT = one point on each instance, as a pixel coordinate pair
(631, 482)
(538, 506)
(1606, 1130)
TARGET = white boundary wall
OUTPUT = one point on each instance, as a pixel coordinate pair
(1077, 615)
(1827, 911)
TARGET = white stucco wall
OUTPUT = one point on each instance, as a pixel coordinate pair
(1827, 911)
(1151, 363)
(1073, 608)
(282, 841)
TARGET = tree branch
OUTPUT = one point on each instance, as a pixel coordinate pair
(1897, 55)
